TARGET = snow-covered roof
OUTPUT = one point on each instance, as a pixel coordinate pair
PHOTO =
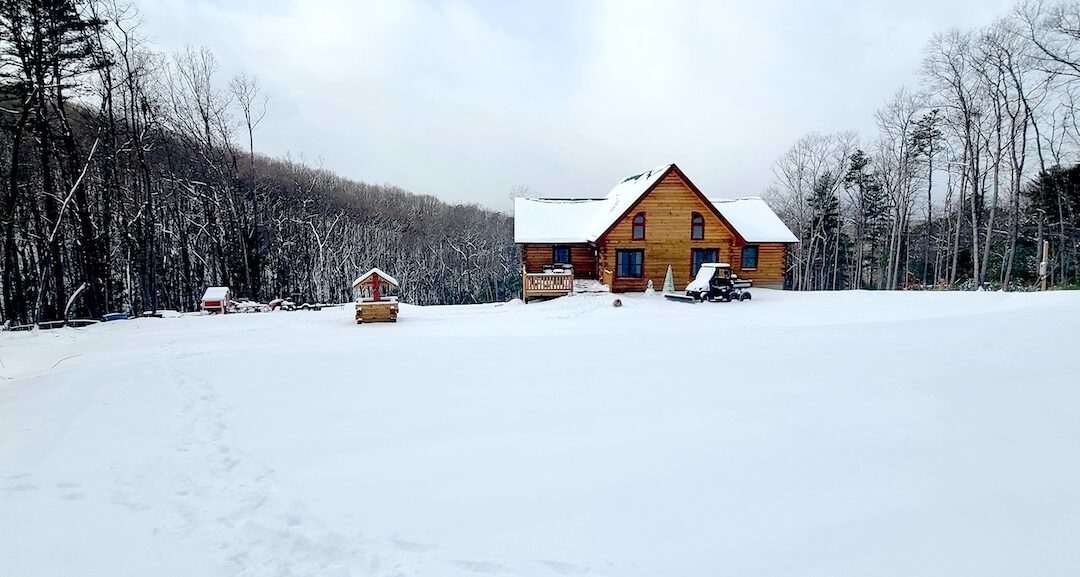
(754, 220)
(551, 220)
(622, 197)
(572, 220)
(373, 271)
(216, 293)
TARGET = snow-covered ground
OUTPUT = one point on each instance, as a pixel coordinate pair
(799, 434)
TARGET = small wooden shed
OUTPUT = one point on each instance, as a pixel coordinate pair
(216, 299)
(374, 303)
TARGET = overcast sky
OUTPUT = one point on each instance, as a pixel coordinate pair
(466, 100)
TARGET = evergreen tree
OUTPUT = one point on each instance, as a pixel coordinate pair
(925, 145)
(870, 206)
(44, 48)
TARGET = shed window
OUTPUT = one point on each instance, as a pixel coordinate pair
(697, 226)
(749, 257)
(630, 263)
(698, 256)
(639, 226)
(560, 255)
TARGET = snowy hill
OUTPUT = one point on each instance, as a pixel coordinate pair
(885, 434)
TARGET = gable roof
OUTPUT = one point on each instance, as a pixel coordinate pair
(624, 196)
(381, 274)
(549, 220)
(215, 293)
(754, 220)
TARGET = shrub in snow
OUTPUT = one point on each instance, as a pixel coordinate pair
(616, 303)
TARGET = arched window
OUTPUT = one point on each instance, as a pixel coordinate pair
(639, 226)
(697, 226)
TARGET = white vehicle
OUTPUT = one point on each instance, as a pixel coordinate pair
(716, 282)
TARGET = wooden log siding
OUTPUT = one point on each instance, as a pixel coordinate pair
(582, 257)
(772, 261)
(668, 210)
(374, 312)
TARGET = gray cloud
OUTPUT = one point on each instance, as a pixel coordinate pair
(466, 101)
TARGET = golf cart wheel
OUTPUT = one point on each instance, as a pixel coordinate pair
(745, 297)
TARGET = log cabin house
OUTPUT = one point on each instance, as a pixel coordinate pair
(649, 221)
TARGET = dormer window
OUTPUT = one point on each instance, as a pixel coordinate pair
(639, 226)
(697, 226)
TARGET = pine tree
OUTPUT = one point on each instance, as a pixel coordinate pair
(925, 144)
(825, 229)
(870, 217)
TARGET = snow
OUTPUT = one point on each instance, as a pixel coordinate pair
(701, 280)
(555, 221)
(846, 433)
(622, 197)
(377, 271)
(585, 285)
(163, 313)
(754, 220)
(382, 299)
(251, 306)
(216, 293)
(570, 221)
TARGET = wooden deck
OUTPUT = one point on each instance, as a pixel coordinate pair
(546, 284)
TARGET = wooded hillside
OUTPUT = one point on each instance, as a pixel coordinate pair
(134, 173)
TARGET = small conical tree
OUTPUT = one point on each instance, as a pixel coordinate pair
(669, 281)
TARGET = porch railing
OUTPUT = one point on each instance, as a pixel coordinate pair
(547, 284)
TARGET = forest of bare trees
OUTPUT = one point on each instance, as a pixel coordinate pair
(969, 173)
(130, 181)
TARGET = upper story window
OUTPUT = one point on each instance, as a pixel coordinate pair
(749, 257)
(639, 226)
(697, 226)
(560, 255)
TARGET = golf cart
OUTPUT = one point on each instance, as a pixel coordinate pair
(716, 282)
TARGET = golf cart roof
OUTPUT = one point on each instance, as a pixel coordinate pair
(715, 265)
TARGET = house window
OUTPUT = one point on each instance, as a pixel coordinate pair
(560, 255)
(697, 226)
(701, 255)
(749, 257)
(639, 226)
(630, 263)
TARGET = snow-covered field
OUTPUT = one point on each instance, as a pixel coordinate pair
(863, 434)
